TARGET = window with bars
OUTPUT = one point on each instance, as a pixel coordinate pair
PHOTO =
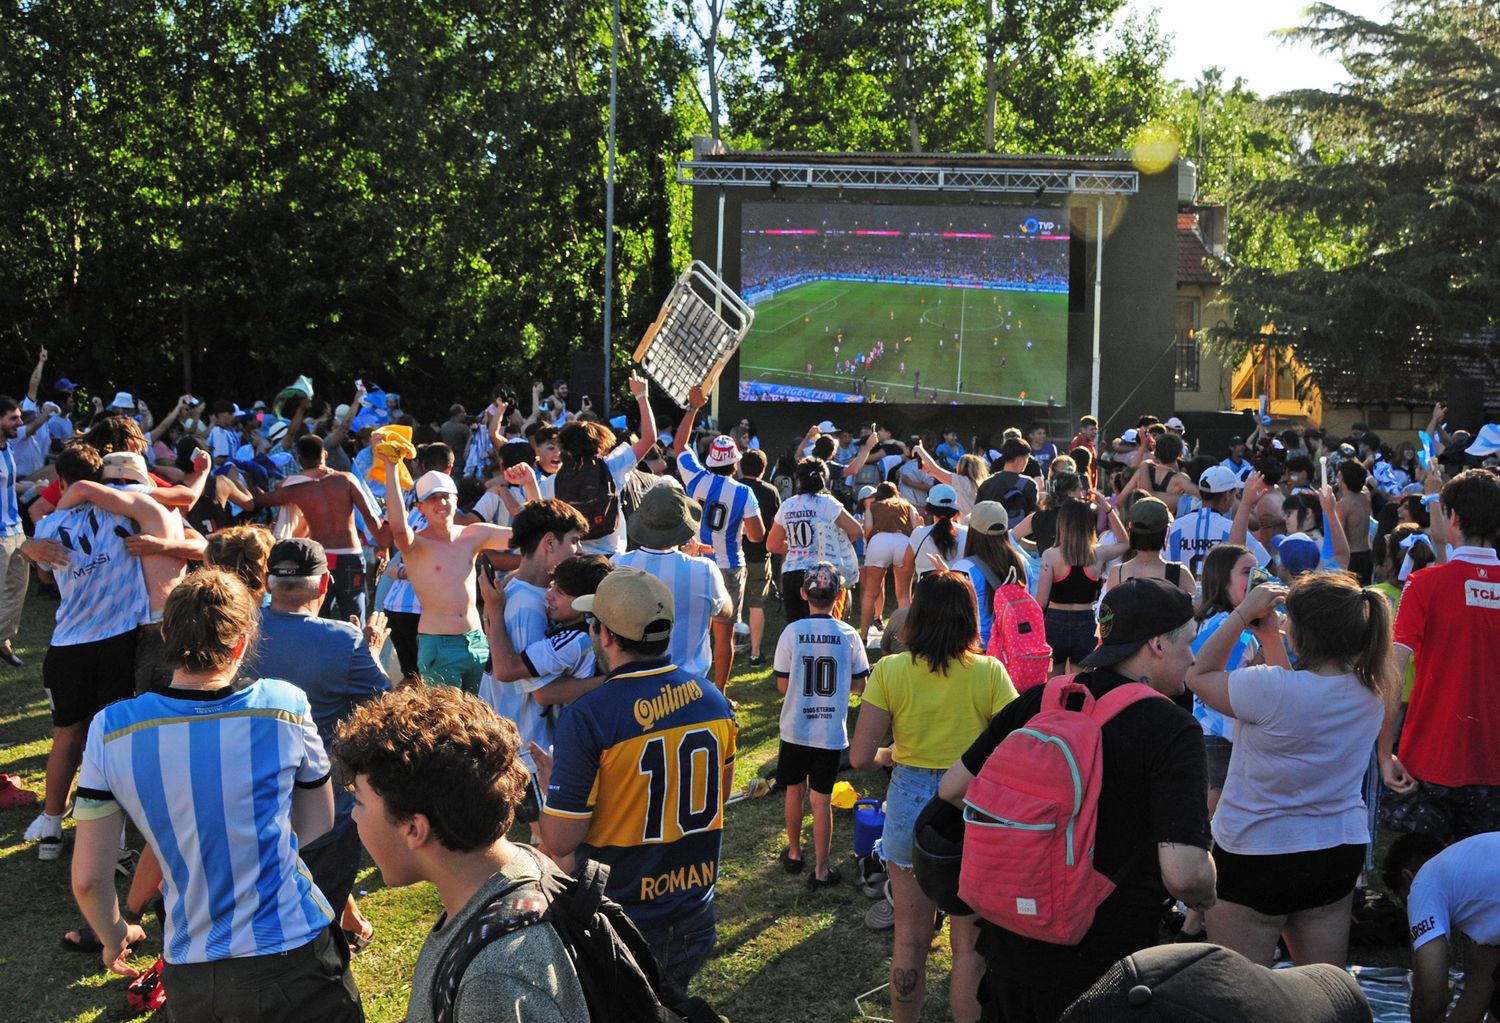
(1187, 344)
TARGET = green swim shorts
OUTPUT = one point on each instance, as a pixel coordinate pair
(453, 660)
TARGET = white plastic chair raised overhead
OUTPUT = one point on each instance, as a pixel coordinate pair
(700, 326)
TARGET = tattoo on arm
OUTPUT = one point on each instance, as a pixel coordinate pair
(904, 984)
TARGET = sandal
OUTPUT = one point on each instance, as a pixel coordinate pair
(12, 795)
(359, 942)
(788, 864)
(834, 877)
(85, 940)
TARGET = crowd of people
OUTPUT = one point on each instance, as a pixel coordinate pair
(293, 633)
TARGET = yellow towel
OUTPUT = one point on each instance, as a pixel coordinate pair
(393, 442)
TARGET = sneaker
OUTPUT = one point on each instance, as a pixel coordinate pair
(47, 833)
(10, 657)
(758, 661)
(882, 915)
(125, 862)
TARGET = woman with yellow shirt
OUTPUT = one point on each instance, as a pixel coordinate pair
(933, 699)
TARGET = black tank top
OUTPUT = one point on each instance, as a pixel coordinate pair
(1076, 587)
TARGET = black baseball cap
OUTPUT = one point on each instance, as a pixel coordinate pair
(1188, 983)
(297, 557)
(1132, 613)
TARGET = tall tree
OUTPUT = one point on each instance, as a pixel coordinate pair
(1401, 169)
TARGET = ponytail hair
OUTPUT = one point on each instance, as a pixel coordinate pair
(944, 535)
(1335, 622)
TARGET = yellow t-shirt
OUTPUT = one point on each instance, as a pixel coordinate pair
(934, 717)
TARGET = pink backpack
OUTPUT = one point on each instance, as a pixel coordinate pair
(1030, 817)
(1018, 636)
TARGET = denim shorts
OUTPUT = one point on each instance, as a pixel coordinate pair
(911, 789)
(682, 945)
(1071, 634)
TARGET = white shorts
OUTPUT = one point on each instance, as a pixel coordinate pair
(886, 550)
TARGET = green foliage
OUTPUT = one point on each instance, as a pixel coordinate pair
(1387, 196)
(942, 75)
(238, 192)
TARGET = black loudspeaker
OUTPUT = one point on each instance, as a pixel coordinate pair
(587, 378)
(1465, 403)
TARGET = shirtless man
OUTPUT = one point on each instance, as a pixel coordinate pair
(451, 647)
(328, 500)
(132, 496)
(1354, 510)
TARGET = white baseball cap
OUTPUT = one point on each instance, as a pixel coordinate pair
(1218, 479)
(1175, 424)
(434, 482)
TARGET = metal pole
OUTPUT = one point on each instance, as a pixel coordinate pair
(609, 202)
(1098, 291)
(718, 301)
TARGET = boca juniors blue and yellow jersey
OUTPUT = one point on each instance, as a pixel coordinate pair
(644, 759)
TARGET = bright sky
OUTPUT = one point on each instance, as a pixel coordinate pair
(1236, 35)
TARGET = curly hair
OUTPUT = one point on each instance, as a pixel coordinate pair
(242, 550)
(205, 617)
(441, 753)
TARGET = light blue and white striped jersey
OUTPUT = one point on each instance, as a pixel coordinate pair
(525, 624)
(29, 450)
(1192, 536)
(103, 588)
(565, 651)
(1244, 650)
(725, 502)
(208, 777)
(401, 595)
(363, 462)
(478, 453)
(10, 509)
(698, 593)
(1388, 478)
(820, 657)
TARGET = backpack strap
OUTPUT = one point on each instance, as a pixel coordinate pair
(520, 904)
(1120, 697)
(989, 574)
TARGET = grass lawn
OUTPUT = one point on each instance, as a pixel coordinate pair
(783, 954)
(969, 335)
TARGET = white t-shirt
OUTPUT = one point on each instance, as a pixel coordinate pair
(922, 543)
(1458, 890)
(820, 656)
(491, 507)
(620, 461)
(806, 519)
(1302, 744)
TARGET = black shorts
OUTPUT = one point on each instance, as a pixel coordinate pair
(1285, 883)
(818, 767)
(83, 679)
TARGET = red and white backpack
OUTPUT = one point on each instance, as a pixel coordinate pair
(1031, 814)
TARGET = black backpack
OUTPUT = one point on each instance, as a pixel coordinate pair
(589, 486)
(621, 979)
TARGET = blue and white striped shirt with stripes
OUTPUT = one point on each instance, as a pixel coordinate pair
(103, 589)
(208, 778)
(726, 502)
(698, 593)
(10, 509)
(401, 596)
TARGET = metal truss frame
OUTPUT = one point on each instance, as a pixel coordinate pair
(1032, 180)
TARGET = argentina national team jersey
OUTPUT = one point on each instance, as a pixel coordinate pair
(820, 657)
(103, 589)
(209, 780)
(698, 593)
(726, 502)
(565, 651)
(643, 758)
(10, 509)
(1192, 536)
(401, 595)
